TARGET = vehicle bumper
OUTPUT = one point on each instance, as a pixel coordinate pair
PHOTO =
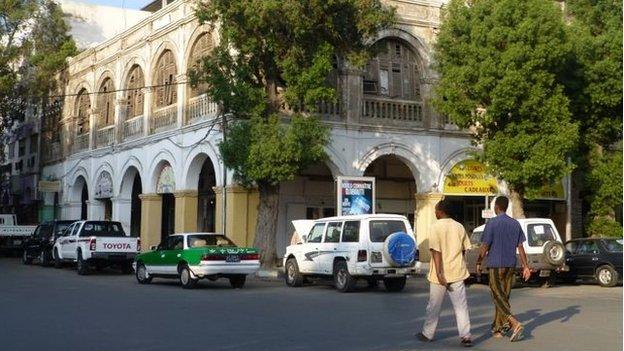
(113, 256)
(384, 271)
(202, 270)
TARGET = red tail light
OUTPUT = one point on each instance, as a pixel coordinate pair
(213, 257)
(138, 244)
(250, 257)
(92, 244)
(362, 256)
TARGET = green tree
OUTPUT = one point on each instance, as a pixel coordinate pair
(502, 67)
(596, 37)
(34, 44)
(273, 52)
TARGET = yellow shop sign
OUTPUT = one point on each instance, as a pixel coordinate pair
(469, 178)
(552, 192)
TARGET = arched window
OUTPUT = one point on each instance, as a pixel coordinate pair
(81, 111)
(393, 73)
(165, 92)
(106, 103)
(134, 95)
(201, 48)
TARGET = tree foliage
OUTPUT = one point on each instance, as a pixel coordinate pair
(502, 65)
(274, 53)
(34, 46)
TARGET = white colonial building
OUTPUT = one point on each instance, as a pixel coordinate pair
(139, 145)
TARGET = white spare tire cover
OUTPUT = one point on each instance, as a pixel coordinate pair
(399, 249)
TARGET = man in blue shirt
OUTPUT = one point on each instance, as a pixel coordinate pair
(501, 237)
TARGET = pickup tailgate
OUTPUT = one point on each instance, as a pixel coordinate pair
(112, 244)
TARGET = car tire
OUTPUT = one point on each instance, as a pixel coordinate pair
(238, 281)
(606, 276)
(343, 281)
(141, 274)
(395, 284)
(57, 260)
(25, 258)
(554, 253)
(81, 265)
(548, 282)
(293, 276)
(186, 277)
(44, 258)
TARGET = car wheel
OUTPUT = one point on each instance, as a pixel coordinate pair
(606, 276)
(81, 266)
(141, 274)
(186, 278)
(395, 284)
(293, 276)
(57, 261)
(25, 258)
(343, 281)
(554, 253)
(238, 281)
(44, 258)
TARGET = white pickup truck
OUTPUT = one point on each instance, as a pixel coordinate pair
(12, 236)
(96, 244)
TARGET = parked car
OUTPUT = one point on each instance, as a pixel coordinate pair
(543, 247)
(596, 259)
(347, 248)
(96, 244)
(12, 236)
(190, 257)
(39, 245)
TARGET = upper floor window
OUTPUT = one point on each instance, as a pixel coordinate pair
(393, 73)
(165, 92)
(134, 92)
(83, 105)
(106, 103)
(201, 48)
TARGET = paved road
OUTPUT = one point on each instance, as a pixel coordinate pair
(49, 309)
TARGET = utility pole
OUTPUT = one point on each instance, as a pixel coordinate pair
(224, 175)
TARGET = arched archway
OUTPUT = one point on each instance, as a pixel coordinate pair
(131, 188)
(395, 185)
(165, 187)
(80, 194)
(206, 198)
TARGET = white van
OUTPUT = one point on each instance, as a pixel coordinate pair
(348, 248)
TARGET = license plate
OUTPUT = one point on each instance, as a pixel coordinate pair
(232, 258)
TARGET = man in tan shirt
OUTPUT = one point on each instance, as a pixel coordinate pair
(447, 242)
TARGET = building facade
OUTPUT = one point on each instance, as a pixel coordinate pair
(135, 143)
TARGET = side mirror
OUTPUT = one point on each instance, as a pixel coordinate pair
(153, 248)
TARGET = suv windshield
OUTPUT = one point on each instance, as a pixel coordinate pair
(93, 228)
(381, 229)
(206, 240)
(613, 245)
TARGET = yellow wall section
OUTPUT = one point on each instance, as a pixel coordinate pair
(424, 216)
(151, 214)
(242, 213)
(186, 211)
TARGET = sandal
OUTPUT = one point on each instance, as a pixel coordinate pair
(518, 333)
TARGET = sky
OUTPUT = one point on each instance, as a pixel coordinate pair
(129, 4)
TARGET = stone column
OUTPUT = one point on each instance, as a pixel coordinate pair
(122, 212)
(93, 117)
(181, 78)
(95, 210)
(431, 119)
(151, 216)
(219, 209)
(71, 210)
(351, 93)
(242, 213)
(185, 211)
(424, 216)
(120, 118)
(147, 110)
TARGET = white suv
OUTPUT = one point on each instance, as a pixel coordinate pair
(371, 247)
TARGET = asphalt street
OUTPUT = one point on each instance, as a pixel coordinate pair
(50, 309)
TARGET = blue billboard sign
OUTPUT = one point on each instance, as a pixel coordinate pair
(356, 195)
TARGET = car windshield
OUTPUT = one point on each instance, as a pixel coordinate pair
(113, 229)
(61, 226)
(613, 245)
(206, 240)
(381, 229)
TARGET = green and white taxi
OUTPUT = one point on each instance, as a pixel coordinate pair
(190, 257)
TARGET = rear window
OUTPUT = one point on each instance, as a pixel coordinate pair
(113, 229)
(207, 240)
(539, 234)
(381, 229)
(351, 232)
(613, 245)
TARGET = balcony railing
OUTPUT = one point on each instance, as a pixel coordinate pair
(200, 108)
(81, 143)
(164, 118)
(327, 110)
(133, 128)
(105, 136)
(389, 111)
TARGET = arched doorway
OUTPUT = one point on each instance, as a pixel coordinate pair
(206, 200)
(84, 198)
(129, 211)
(135, 206)
(395, 186)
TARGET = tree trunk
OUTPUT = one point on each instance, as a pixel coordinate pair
(517, 204)
(266, 226)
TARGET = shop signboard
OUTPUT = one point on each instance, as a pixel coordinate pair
(49, 186)
(469, 178)
(355, 195)
(554, 191)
